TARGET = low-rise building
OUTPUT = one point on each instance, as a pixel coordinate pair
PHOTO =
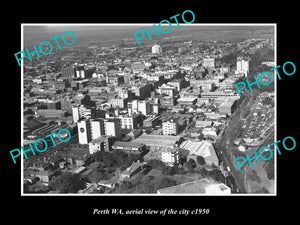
(102, 143)
(119, 102)
(170, 156)
(203, 186)
(132, 121)
(210, 132)
(187, 101)
(132, 170)
(129, 147)
(151, 121)
(50, 113)
(201, 148)
(203, 123)
(158, 141)
(167, 101)
(167, 90)
(229, 106)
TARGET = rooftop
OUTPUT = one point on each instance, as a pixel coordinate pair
(157, 140)
(202, 148)
(128, 144)
(203, 186)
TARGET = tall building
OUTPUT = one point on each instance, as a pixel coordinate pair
(170, 127)
(144, 107)
(79, 72)
(68, 71)
(118, 102)
(80, 111)
(84, 131)
(141, 90)
(132, 121)
(155, 108)
(140, 106)
(97, 128)
(112, 127)
(242, 66)
(156, 49)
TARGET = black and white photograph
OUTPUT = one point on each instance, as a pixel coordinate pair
(149, 112)
(163, 117)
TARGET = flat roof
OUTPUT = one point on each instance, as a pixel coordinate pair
(157, 140)
(187, 99)
(203, 186)
(128, 144)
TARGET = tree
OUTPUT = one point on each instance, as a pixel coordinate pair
(202, 171)
(168, 171)
(269, 168)
(124, 187)
(147, 184)
(178, 169)
(188, 166)
(156, 164)
(200, 160)
(89, 53)
(193, 163)
(268, 101)
(67, 183)
(262, 190)
(165, 182)
(30, 118)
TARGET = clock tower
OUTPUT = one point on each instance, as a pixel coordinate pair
(84, 131)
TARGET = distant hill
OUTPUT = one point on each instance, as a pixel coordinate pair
(36, 34)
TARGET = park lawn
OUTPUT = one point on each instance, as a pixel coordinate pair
(256, 187)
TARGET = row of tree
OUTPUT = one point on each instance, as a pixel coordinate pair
(116, 158)
(67, 183)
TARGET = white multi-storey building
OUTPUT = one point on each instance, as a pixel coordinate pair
(141, 106)
(112, 127)
(170, 156)
(156, 49)
(97, 128)
(119, 102)
(242, 66)
(170, 127)
(84, 131)
(80, 111)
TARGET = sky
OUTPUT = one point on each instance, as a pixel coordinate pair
(37, 34)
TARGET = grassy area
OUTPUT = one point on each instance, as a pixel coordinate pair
(257, 180)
